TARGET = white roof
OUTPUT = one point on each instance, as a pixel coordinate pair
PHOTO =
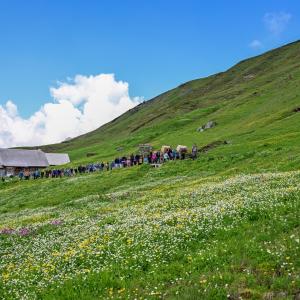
(56, 159)
(23, 158)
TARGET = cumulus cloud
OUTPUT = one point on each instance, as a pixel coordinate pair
(276, 22)
(256, 44)
(78, 106)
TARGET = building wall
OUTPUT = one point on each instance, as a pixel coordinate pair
(9, 171)
(2, 172)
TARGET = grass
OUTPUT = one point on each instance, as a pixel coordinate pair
(225, 226)
(249, 112)
(179, 237)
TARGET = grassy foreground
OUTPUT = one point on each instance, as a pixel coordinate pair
(226, 226)
(152, 234)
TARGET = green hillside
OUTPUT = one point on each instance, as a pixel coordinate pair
(224, 226)
(252, 103)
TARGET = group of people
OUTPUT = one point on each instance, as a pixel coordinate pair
(152, 157)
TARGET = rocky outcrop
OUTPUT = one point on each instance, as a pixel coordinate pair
(208, 125)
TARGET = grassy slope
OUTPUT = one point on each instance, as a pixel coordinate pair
(250, 112)
(219, 232)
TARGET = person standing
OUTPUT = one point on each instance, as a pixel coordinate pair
(26, 174)
(194, 151)
(21, 175)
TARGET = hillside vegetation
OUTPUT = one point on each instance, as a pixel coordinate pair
(253, 104)
(225, 226)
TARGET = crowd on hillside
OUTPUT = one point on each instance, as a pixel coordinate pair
(153, 158)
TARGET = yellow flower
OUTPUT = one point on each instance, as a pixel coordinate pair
(110, 291)
(10, 266)
(121, 290)
(84, 244)
(5, 276)
(106, 237)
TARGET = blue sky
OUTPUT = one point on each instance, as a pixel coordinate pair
(152, 45)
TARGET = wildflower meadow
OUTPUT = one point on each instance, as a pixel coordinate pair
(220, 237)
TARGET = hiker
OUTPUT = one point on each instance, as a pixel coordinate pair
(150, 157)
(166, 156)
(112, 165)
(117, 162)
(21, 175)
(154, 157)
(194, 151)
(137, 159)
(27, 174)
(131, 159)
(141, 160)
(170, 154)
(158, 160)
(123, 162)
(174, 154)
(182, 150)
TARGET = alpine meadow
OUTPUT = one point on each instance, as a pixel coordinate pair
(223, 226)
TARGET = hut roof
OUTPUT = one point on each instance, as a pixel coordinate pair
(23, 158)
(56, 159)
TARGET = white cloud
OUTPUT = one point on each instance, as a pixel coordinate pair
(78, 106)
(276, 22)
(256, 44)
